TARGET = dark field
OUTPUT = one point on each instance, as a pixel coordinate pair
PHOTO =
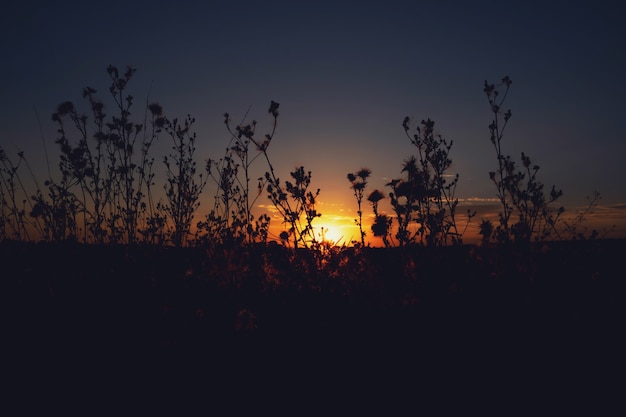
(520, 325)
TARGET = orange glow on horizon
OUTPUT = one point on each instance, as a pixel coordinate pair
(339, 228)
(335, 233)
(335, 229)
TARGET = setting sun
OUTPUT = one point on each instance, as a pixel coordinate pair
(334, 233)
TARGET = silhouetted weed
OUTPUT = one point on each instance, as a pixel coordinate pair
(358, 183)
(519, 190)
(183, 188)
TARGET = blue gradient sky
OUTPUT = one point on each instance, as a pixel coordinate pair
(345, 75)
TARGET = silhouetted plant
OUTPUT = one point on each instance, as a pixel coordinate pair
(86, 165)
(52, 219)
(217, 228)
(232, 219)
(15, 200)
(294, 201)
(183, 187)
(486, 231)
(404, 197)
(114, 174)
(59, 212)
(424, 201)
(382, 222)
(12, 222)
(428, 191)
(518, 190)
(573, 228)
(358, 183)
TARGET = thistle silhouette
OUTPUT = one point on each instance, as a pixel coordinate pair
(358, 183)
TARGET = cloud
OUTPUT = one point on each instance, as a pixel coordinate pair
(478, 200)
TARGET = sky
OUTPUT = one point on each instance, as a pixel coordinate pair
(346, 74)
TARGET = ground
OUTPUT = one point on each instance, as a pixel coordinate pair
(540, 323)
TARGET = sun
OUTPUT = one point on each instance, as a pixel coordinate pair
(332, 233)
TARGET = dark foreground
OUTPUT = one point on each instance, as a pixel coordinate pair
(473, 328)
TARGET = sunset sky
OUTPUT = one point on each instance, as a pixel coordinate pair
(345, 74)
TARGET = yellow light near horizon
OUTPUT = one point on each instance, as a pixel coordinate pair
(333, 233)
